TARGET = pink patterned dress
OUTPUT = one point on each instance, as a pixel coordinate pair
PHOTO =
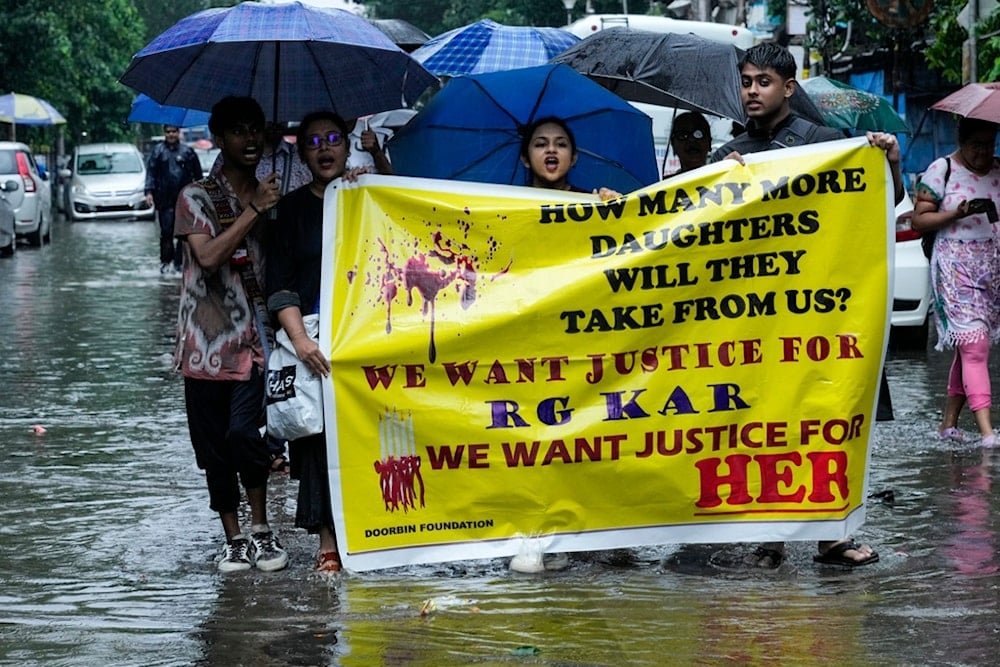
(965, 266)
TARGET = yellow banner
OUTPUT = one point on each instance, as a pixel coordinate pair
(694, 362)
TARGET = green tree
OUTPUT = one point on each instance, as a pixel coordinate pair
(72, 54)
(945, 54)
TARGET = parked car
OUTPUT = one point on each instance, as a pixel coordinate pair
(32, 202)
(8, 238)
(911, 291)
(107, 182)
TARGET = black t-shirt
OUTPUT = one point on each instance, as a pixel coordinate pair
(294, 252)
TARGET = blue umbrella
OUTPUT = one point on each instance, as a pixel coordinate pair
(292, 58)
(471, 130)
(147, 110)
(487, 46)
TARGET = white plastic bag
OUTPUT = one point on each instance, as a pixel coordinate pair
(294, 393)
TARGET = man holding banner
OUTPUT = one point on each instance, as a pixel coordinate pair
(767, 74)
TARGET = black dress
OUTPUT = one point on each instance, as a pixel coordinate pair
(294, 251)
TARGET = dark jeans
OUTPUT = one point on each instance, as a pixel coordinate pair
(170, 248)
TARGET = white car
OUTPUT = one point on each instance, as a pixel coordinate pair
(911, 292)
(108, 182)
(32, 202)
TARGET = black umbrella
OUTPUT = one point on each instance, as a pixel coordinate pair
(667, 69)
(403, 34)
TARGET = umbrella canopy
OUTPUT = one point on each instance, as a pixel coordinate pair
(403, 34)
(974, 100)
(487, 46)
(147, 110)
(847, 107)
(23, 109)
(471, 130)
(292, 58)
(667, 69)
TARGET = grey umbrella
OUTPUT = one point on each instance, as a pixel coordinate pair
(403, 34)
(667, 69)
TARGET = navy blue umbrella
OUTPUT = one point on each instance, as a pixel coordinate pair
(292, 58)
(471, 130)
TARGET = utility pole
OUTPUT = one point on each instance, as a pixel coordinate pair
(973, 47)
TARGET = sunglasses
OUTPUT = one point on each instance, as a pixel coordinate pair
(681, 135)
(314, 141)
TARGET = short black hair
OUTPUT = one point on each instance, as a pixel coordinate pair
(230, 111)
(529, 130)
(769, 55)
(309, 119)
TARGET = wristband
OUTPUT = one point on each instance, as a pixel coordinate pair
(254, 207)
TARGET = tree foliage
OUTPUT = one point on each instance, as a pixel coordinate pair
(72, 53)
(945, 54)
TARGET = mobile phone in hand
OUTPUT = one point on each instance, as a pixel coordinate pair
(983, 206)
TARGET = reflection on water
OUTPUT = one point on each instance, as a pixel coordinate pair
(107, 544)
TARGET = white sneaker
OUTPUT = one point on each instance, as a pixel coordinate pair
(267, 553)
(236, 555)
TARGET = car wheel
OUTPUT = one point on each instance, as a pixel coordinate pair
(47, 236)
(35, 238)
(8, 250)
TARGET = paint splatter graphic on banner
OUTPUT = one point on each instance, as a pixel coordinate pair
(427, 270)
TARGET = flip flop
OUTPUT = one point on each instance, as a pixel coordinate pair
(836, 555)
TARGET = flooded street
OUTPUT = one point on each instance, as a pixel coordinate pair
(107, 545)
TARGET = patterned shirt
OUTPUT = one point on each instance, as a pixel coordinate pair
(217, 336)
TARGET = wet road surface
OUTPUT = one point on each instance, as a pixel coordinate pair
(107, 545)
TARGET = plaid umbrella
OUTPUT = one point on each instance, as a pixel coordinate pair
(471, 130)
(487, 46)
(292, 58)
(147, 110)
(844, 106)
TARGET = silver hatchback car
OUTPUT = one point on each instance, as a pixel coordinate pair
(32, 202)
(107, 182)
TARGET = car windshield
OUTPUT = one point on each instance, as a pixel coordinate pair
(108, 163)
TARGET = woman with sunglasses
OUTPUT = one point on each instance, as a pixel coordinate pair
(294, 260)
(691, 141)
